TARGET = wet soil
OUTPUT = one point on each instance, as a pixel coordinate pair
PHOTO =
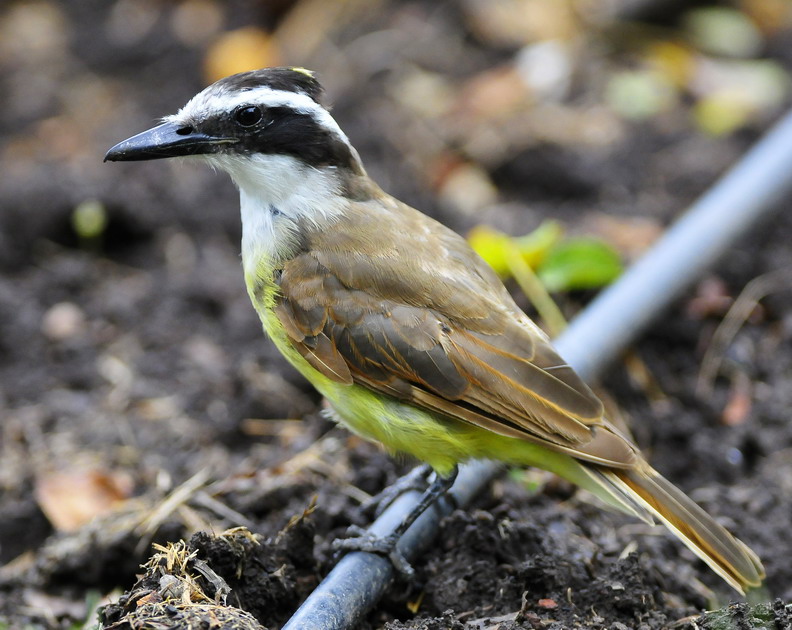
(133, 362)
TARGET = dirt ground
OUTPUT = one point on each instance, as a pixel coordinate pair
(141, 405)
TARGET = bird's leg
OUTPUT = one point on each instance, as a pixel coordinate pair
(416, 479)
(387, 545)
(439, 487)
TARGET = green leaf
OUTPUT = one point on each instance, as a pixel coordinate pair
(640, 94)
(581, 263)
(89, 219)
(723, 31)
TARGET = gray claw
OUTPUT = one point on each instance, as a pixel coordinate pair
(382, 545)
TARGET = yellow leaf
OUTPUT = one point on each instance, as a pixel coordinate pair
(489, 244)
(495, 247)
(533, 247)
(720, 114)
(673, 60)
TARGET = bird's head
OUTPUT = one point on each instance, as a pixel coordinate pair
(268, 130)
(246, 120)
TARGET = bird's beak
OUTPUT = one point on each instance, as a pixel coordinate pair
(164, 141)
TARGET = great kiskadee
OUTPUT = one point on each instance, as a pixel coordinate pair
(411, 338)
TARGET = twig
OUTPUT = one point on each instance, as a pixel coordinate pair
(534, 289)
(179, 496)
(737, 315)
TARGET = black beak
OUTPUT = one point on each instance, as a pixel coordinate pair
(165, 141)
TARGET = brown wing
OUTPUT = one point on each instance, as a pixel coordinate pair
(409, 310)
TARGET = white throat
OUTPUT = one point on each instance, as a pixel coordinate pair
(279, 197)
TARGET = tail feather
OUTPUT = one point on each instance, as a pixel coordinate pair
(599, 482)
(727, 556)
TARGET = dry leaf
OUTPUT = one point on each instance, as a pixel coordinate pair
(630, 236)
(195, 21)
(248, 48)
(468, 189)
(71, 498)
(518, 22)
(311, 23)
(494, 94)
(771, 16)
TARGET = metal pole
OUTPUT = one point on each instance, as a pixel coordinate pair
(749, 190)
(599, 334)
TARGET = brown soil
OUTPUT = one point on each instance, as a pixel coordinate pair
(156, 384)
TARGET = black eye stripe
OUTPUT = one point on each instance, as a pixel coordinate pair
(280, 130)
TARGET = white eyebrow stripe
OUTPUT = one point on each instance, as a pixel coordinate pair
(213, 101)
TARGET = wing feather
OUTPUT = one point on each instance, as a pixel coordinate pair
(486, 366)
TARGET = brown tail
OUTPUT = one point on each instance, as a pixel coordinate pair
(728, 557)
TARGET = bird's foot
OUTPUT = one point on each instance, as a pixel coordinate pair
(364, 540)
(416, 479)
(387, 545)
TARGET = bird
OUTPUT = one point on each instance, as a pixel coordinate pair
(410, 337)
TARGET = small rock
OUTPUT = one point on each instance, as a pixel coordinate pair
(63, 321)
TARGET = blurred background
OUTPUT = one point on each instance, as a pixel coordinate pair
(131, 359)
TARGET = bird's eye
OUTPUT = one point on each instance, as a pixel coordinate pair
(248, 115)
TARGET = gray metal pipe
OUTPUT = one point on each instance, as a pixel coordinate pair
(750, 190)
(598, 335)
